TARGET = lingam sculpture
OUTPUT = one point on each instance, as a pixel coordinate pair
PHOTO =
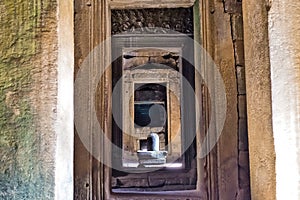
(152, 156)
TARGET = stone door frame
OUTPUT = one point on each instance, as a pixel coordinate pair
(97, 178)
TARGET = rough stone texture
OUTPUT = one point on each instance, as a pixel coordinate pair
(243, 135)
(28, 90)
(234, 8)
(242, 107)
(240, 73)
(236, 96)
(88, 171)
(244, 170)
(156, 181)
(176, 19)
(228, 182)
(237, 27)
(243, 194)
(284, 33)
(121, 4)
(257, 65)
(239, 52)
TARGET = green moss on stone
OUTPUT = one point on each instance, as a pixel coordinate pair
(22, 175)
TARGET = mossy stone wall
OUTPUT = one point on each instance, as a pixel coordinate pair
(25, 173)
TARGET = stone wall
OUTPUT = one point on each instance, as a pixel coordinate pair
(234, 9)
(28, 88)
(272, 78)
(228, 42)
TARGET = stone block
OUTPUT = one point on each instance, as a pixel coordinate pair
(148, 155)
(244, 160)
(244, 173)
(178, 181)
(244, 178)
(242, 106)
(243, 135)
(232, 6)
(237, 27)
(157, 182)
(239, 53)
(244, 194)
(134, 182)
(240, 71)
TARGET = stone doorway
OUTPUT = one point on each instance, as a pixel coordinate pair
(218, 174)
(152, 75)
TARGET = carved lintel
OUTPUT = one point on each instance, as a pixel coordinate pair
(162, 21)
(135, 4)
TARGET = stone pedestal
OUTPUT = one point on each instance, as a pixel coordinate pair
(152, 157)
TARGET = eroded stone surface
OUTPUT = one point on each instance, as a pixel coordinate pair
(257, 66)
(147, 20)
(27, 90)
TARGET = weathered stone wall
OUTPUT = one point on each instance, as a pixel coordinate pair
(234, 9)
(28, 98)
(229, 56)
(258, 85)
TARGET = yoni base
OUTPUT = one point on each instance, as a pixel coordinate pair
(152, 157)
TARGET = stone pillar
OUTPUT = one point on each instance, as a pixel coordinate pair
(64, 125)
(259, 105)
(284, 36)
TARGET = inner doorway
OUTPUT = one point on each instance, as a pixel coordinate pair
(150, 82)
